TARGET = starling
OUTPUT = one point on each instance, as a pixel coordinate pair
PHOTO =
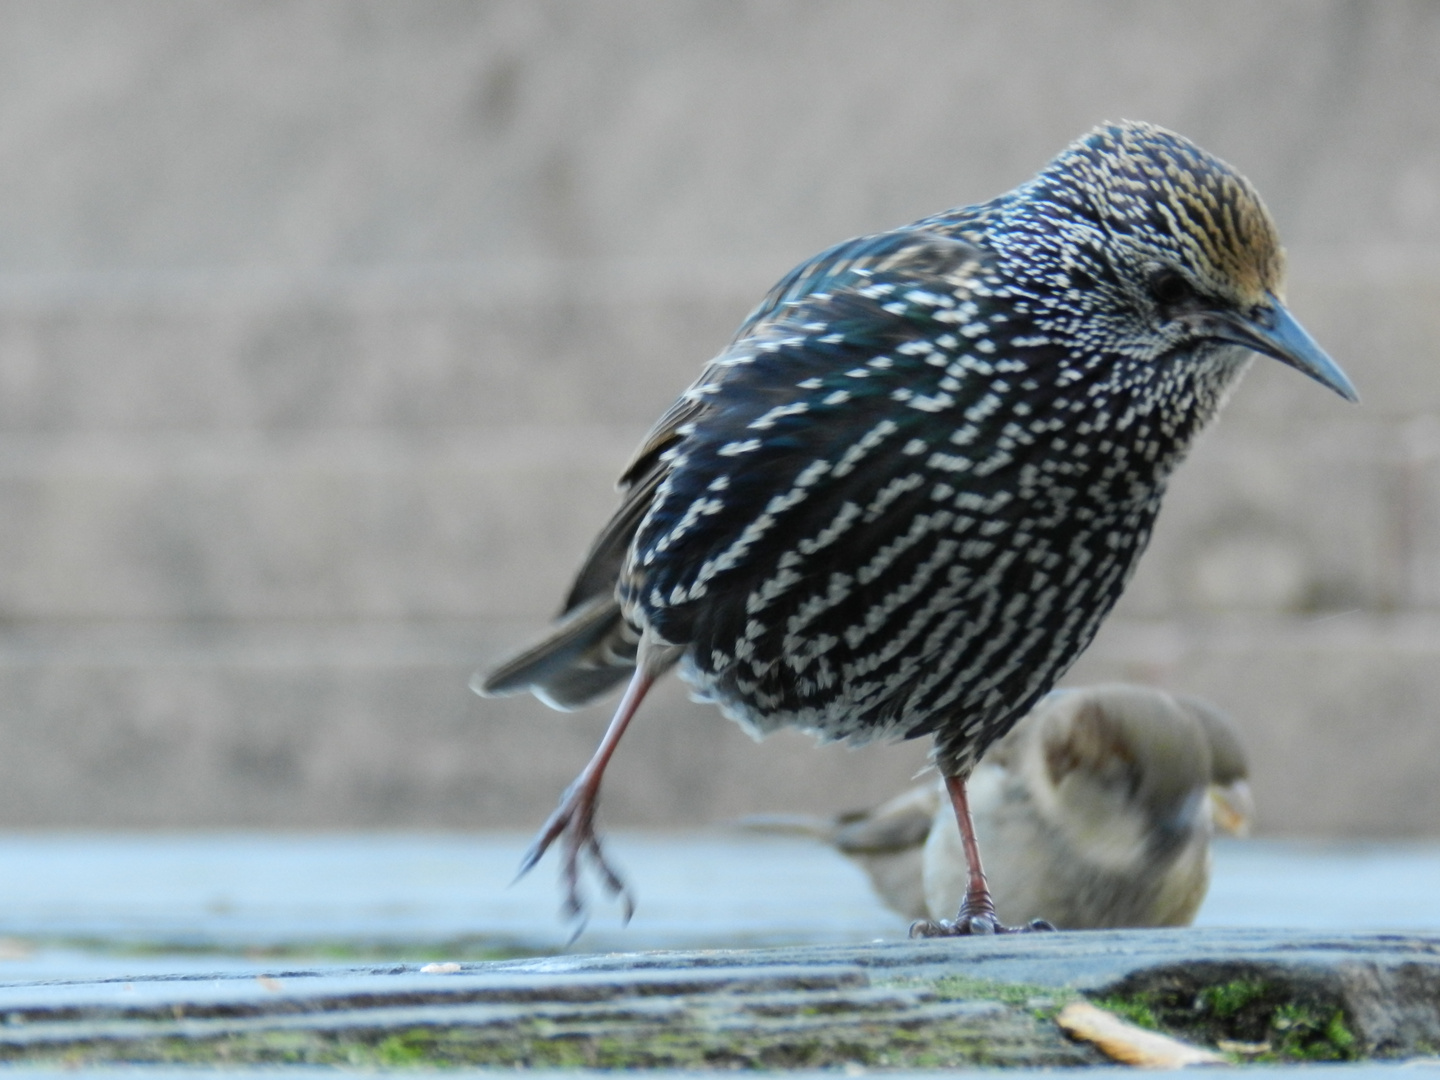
(902, 499)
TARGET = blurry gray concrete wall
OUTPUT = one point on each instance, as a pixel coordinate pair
(326, 325)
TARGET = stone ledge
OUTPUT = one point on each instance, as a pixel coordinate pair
(983, 1001)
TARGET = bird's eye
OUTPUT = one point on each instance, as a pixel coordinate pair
(1171, 288)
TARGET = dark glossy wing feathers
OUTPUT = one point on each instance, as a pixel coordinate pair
(592, 646)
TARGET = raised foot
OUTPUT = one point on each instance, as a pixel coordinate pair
(574, 821)
(963, 925)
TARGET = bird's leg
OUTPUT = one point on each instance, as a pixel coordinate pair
(977, 910)
(574, 818)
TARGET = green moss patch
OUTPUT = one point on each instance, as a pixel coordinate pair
(1251, 1017)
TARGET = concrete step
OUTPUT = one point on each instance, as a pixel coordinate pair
(328, 725)
(537, 341)
(335, 726)
(492, 522)
(328, 525)
(437, 130)
(400, 346)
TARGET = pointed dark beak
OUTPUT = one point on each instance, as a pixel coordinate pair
(1272, 330)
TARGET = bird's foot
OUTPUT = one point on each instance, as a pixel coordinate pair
(574, 821)
(980, 924)
(972, 924)
(979, 920)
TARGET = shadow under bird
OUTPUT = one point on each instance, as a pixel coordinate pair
(903, 498)
(1097, 810)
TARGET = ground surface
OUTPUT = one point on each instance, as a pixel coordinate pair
(162, 897)
(390, 951)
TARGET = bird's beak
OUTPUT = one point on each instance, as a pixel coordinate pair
(1272, 330)
(1232, 808)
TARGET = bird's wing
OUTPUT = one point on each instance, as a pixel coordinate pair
(821, 394)
(602, 564)
(825, 282)
(592, 648)
(915, 253)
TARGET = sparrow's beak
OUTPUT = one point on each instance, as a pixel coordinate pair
(1272, 330)
(1232, 808)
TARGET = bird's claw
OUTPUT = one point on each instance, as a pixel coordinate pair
(967, 925)
(574, 820)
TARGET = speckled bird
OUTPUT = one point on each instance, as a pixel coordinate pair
(903, 498)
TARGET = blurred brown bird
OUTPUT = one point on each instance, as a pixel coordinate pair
(1096, 810)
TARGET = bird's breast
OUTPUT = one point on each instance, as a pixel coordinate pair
(899, 510)
(902, 581)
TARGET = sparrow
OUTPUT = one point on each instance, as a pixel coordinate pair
(1096, 810)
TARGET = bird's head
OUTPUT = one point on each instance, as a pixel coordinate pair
(1166, 251)
(1121, 770)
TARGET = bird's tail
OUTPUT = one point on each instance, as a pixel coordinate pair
(900, 824)
(817, 828)
(591, 650)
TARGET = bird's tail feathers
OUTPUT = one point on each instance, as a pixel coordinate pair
(818, 828)
(591, 650)
(901, 824)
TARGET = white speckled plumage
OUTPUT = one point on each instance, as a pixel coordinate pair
(904, 498)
